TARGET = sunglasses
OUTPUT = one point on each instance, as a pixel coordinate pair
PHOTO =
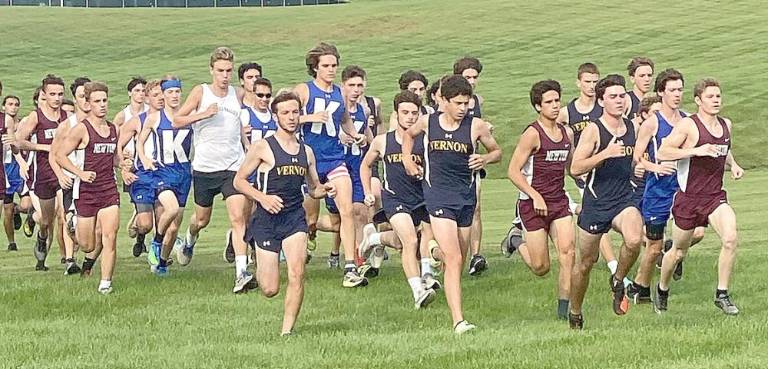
(262, 96)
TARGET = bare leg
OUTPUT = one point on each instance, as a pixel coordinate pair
(589, 246)
(294, 248)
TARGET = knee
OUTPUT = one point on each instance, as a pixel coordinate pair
(144, 226)
(567, 254)
(203, 222)
(730, 241)
(270, 292)
(540, 268)
(633, 241)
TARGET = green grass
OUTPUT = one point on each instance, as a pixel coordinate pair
(192, 320)
(519, 42)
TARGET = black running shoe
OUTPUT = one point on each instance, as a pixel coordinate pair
(639, 294)
(576, 321)
(620, 301)
(29, 224)
(12, 247)
(660, 300)
(667, 246)
(678, 273)
(724, 303)
(562, 309)
(138, 248)
(229, 251)
(477, 265)
(40, 267)
(41, 248)
(16, 221)
(512, 241)
(71, 267)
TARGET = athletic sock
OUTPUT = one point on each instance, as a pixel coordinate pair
(627, 281)
(103, 284)
(140, 237)
(88, 263)
(159, 237)
(426, 266)
(375, 239)
(416, 288)
(163, 263)
(613, 265)
(720, 293)
(349, 266)
(241, 264)
(662, 292)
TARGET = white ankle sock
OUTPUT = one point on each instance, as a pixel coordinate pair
(415, 283)
(375, 239)
(104, 284)
(241, 264)
(612, 266)
(426, 267)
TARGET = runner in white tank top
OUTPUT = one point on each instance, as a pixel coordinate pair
(214, 113)
(217, 139)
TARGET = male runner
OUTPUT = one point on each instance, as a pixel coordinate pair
(538, 168)
(325, 117)
(640, 70)
(604, 153)
(257, 122)
(140, 181)
(661, 183)
(282, 165)
(213, 110)
(68, 106)
(449, 175)
(8, 135)
(470, 68)
(171, 171)
(136, 105)
(96, 198)
(42, 124)
(16, 175)
(66, 209)
(701, 144)
(402, 197)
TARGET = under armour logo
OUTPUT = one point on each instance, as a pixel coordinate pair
(266, 243)
(294, 160)
(449, 135)
(593, 227)
(399, 207)
(439, 212)
(585, 117)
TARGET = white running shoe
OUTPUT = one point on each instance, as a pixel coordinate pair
(424, 299)
(430, 282)
(105, 290)
(242, 282)
(364, 249)
(377, 257)
(463, 327)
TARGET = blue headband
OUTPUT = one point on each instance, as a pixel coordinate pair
(171, 83)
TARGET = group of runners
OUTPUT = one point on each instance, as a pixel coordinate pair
(410, 181)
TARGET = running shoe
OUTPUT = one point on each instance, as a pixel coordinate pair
(620, 301)
(353, 279)
(424, 299)
(477, 265)
(229, 251)
(463, 327)
(724, 303)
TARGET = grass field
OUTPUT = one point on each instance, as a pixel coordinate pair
(191, 320)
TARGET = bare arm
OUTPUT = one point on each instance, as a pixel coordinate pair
(119, 119)
(253, 158)
(674, 146)
(61, 133)
(186, 116)
(77, 137)
(529, 142)
(410, 166)
(246, 130)
(26, 130)
(374, 153)
(141, 140)
(586, 157)
(485, 137)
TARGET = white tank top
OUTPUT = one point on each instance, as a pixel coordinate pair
(217, 145)
(77, 157)
(127, 116)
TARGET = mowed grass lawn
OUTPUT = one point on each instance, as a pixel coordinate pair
(192, 320)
